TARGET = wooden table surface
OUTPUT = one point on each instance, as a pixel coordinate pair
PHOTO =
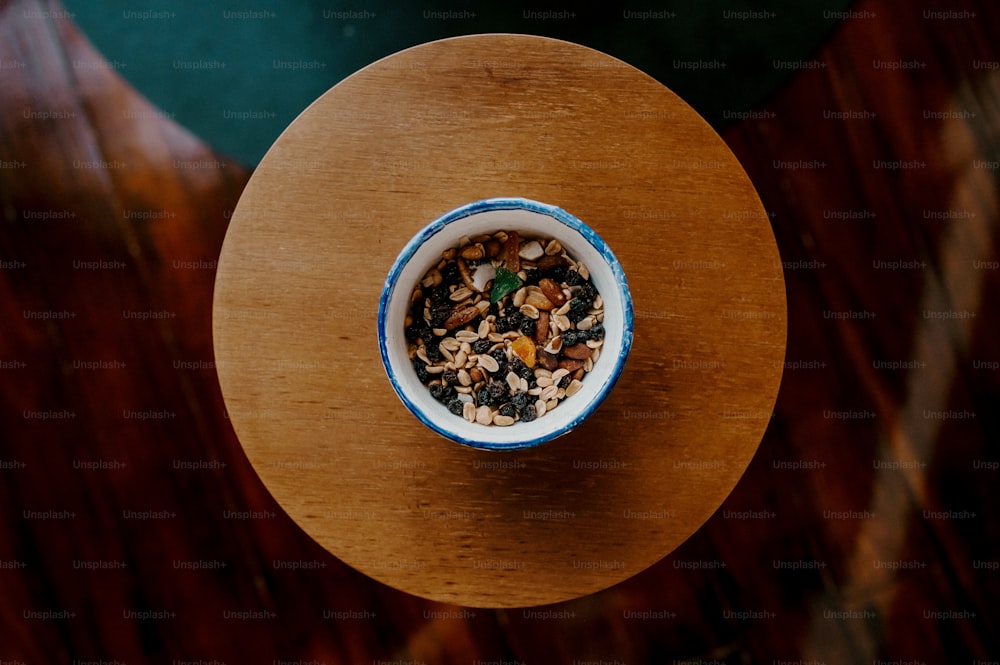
(312, 240)
(133, 528)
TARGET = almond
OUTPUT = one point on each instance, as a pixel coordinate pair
(571, 364)
(461, 316)
(547, 360)
(552, 291)
(538, 301)
(578, 351)
(542, 328)
(547, 263)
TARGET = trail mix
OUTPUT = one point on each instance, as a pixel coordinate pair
(503, 328)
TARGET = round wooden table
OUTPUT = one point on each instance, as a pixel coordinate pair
(382, 154)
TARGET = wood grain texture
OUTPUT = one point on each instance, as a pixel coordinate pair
(381, 155)
(850, 525)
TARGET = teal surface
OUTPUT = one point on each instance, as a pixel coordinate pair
(237, 74)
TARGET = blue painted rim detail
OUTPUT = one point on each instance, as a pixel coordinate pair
(485, 205)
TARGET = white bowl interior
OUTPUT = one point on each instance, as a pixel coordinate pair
(571, 411)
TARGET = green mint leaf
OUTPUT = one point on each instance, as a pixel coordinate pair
(505, 282)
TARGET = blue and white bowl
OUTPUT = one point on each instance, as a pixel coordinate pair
(528, 218)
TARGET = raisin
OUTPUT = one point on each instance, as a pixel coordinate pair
(439, 315)
(456, 406)
(450, 377)
(433, 351)
(450, 274)
(573, 278)
(521, 370)
(528, 414)
(481, 346)
(497, 392)
(578, 309)
(439, 295)
(527, 327)
(508, 410)
(525, 373)
(520, 401)
(557, 274)
(423, 376)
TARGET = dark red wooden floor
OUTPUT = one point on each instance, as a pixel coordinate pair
(866, 530)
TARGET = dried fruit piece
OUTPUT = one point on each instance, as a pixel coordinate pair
(505, 283)
(524, 347)
(511, 246)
